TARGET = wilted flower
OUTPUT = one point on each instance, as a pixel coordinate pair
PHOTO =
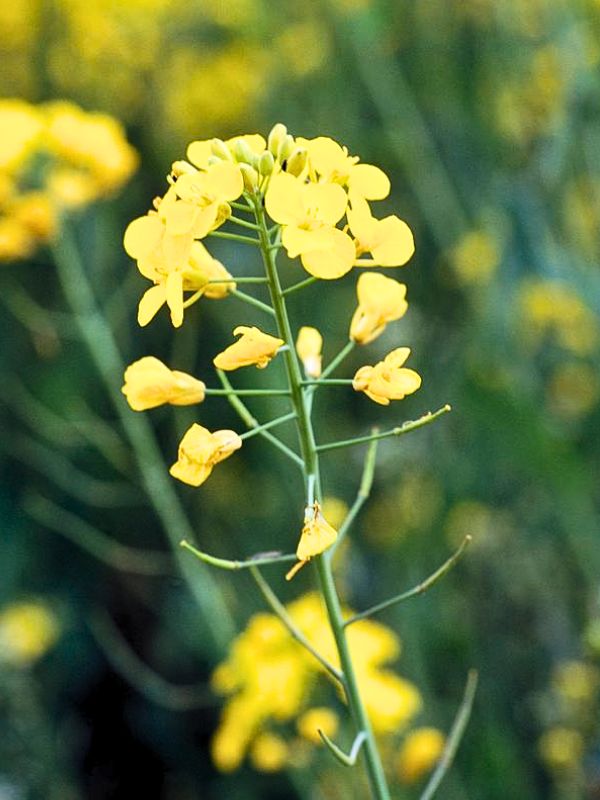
(380, 300)
(317, 535)
(200, 450)
(150, 383)
(253, 347)
(388, 379)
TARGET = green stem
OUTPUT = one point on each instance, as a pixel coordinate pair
(242, 207)
(330, 382)
(252, 422)
(236, 279)
(280, 610)
(417, 590)
(252, 301)
(247, 392)
(242, 223)
(235, 237)
(299, 285)
(334, 363)
(110, 364)
(260, 560)
(310, 457)
(271, 424)
(407, 427)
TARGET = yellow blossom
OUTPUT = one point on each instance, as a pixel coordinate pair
(317, 535)
(576, 681)
(561, 748)
(253, 347)
(21, 125)
(204, 196)
(475, 258)
(308, 346)
(315, 720)
(269, 753)
(389, 240)
(175, 263)
(419, 753)
(388, 379)
(150, 383)
(309, 213)
(27, 631)
(200, 450)
(391, 701)
(380, 300)
(332, 163)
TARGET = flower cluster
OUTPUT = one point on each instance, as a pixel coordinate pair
(271, 680)
(27, 631)
(54, 157)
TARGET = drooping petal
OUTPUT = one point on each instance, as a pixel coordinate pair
(174, 295)
(308, 346)
(152, 299)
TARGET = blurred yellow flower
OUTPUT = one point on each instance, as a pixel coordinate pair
(200, 450)
(561, 748)
(317, 719)
(308, 346)
(419, 752)
(576, 681)
(308, 213)
(27, 631)
(388, 379)
(380, 300)
(150, 383)
(253, 347)
(269, 753)
(574, 389)
(475, 258)
(389, 240)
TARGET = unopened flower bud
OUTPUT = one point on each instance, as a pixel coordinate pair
(266, 163)
(297, 161)
(278, 133)
(243, 153)
(250, 176)
(220, 149)
(212, 160)
(286, 148)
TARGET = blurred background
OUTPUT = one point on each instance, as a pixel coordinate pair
(486, 116)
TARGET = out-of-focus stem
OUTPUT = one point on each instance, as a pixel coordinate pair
(105, 354)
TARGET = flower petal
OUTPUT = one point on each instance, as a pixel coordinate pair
(369, 182)
(152, 299)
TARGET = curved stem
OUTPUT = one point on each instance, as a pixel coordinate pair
(310, 456)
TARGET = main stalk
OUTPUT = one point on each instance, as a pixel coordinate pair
(310, 457)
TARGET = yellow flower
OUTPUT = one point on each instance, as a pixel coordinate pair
(391, 701)
(561, 748)
(331, 162)
(200, 450)
(315, 720)
(253, 347)
(388, 379)
(317, 535)
(27, 631)
(419, 753)
(309, 213)
(204, 196)
(308, 347)
(21, 125)
(269, 753)
(380, 300)
(199, 152)
(174, 263)
(150, 383)
(389, 240)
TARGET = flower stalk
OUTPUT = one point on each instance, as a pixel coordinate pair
(310, 457)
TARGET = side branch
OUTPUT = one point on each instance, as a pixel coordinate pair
(454, 737)
(420, 589)
(280, 611)
(406, 427)
(260, 559)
